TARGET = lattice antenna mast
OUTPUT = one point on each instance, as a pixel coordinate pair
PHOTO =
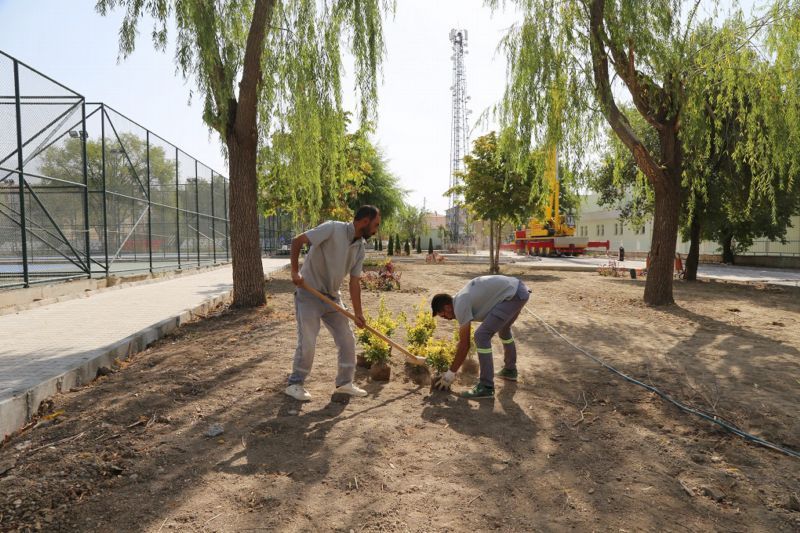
(459, 130)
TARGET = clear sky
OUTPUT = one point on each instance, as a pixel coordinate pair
(70, 42)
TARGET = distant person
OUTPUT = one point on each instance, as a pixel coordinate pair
(336, 249)
(496, 301)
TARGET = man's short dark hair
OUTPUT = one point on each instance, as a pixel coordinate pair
(366, 211)
(439, 301)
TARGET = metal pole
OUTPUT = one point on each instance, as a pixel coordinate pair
(178, 207)
(21, 178)
(213, 226)
(149, 209)
(84, 135)
(225, 200)
(103, 159)
(197, 209)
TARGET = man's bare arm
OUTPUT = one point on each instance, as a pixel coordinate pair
(464, 336)
(297, 245)
(355, 297)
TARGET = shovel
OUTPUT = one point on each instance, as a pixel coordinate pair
(410, 357)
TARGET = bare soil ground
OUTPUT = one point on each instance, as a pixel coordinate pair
(570, 446)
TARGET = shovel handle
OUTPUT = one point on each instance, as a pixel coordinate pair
(410, 357)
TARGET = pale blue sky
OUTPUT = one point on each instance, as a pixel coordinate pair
(68, 41)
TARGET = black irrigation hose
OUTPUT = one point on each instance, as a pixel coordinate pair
(714, 419)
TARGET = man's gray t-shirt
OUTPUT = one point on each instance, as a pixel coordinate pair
(332, 255)
(477, 298)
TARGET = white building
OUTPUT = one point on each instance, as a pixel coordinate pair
(600, 224)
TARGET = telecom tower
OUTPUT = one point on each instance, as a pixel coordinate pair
(459, 130)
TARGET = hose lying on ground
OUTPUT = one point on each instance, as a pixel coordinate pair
(711, 418)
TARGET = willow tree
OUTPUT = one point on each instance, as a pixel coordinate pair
(262, 66)
(740, 150)
(563, 57)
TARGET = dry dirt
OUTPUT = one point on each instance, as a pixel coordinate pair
(571, 446)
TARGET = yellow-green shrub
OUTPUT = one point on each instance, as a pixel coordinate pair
(424, 325)
(376, 350)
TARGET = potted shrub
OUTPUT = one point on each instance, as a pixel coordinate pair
(377, 352)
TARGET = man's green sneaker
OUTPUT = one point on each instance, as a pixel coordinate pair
(479, 391)
(508, 374)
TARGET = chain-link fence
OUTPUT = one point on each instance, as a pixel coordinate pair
(86, 191)
(276, 233)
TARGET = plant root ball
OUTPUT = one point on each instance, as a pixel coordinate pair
(380, 372)
(418, 374)
(470, 366)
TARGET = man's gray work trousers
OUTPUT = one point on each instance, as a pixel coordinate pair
(310, 310)
(499, 320)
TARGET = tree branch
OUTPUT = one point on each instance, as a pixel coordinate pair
(616, 119)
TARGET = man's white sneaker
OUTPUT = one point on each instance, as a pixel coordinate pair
(297, 392)
(351, 389)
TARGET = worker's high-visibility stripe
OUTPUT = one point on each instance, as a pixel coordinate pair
(510, 340)
(484, 350)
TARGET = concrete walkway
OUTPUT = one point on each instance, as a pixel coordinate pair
(59, 346)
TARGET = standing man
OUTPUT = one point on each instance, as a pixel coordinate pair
(496, 301)
(336, 249)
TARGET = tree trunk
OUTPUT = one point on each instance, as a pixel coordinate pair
(668, 196)
(497, 244)
(492, 269)
(248, 272)
(664, 172)
(693, 259)
(727, 249)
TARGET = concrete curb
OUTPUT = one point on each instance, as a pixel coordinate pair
(18, 410)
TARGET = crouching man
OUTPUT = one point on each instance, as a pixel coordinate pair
(496, 302)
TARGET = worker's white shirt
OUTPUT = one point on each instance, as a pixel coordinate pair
(332, 255)
(477, 298)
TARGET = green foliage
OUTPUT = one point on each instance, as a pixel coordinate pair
(269, 75)
(423, 328)
(493, 191)
(430, 245)
(378, 186)
(407, 248)
(419, 244)
(564, 57)
(729, 137)
(619, 182)
(390, 251)
(439, 354)
(412, 221)
(376, 350)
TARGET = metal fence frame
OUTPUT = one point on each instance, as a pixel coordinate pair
(89, 256)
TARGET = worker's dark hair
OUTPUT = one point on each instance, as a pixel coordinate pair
(366, 211)
(439, 301)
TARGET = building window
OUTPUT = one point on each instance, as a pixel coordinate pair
(621, 225)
